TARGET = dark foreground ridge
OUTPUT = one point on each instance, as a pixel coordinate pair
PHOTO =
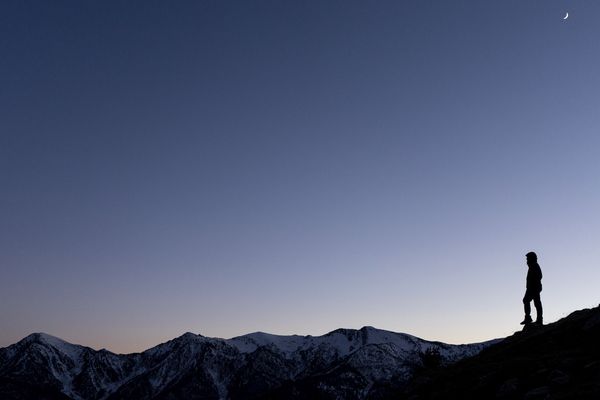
(557, 361)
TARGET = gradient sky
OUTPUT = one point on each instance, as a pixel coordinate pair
(224, 167)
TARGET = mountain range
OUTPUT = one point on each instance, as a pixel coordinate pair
(560, 360)
(343, 364)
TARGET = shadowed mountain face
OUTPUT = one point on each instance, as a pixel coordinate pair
(557, 361)
(349, 364)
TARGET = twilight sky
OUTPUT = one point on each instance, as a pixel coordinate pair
(224, 167)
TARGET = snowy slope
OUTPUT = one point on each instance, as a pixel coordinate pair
(191, 365)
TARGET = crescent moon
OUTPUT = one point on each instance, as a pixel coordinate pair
(566, 16)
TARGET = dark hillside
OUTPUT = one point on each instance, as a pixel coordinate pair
(556, 361)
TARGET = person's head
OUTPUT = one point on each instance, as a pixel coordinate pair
(531, 257)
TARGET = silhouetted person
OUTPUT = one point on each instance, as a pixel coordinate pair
(534, 288)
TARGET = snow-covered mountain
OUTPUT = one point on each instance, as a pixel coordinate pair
(345, 363)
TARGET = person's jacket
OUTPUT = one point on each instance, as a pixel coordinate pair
(534, 278)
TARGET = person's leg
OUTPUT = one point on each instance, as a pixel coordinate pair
(526, 304)
(537, 302)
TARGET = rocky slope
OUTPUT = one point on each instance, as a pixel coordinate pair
(345, 363)
(556, 361)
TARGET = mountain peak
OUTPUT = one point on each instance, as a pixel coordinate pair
(71, 350)
(190, 335)
(46, 339)
(368, 328)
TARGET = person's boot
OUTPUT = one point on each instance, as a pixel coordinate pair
(539, 321)
(527, 320)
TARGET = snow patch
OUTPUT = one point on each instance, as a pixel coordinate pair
(72, 351)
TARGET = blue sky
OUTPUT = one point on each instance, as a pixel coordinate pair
(224, 167)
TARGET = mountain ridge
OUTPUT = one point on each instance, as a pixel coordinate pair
(195, 366)
(344, 331)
